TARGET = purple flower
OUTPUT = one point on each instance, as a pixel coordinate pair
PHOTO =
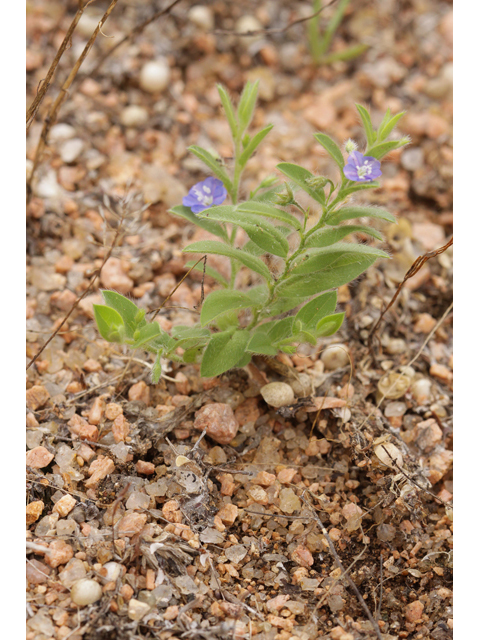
(361, 168)
(205, 194)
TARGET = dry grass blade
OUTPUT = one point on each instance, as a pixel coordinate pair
(52, 114)
(46, 82)
(415, 268)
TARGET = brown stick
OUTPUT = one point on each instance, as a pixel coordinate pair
(46, 82)
(92, 282)
(135, 32)
(415, 268)
(52, 114)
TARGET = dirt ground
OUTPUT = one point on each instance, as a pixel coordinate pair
(329, 519)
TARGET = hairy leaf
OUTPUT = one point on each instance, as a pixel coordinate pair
(207, 225)
(223, 352)
(219, 302)
(318, 308)
(299, 176)
(329, 325)
(328, 236)
(352, 213)
(212, 164)
(331, 148)
(253, 144)
(218, 248)
(109, 323)
(367, 125)
(126, 308)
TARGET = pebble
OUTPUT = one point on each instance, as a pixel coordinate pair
(236, 553)
(353, 514)
(424, 323)
(258, 495)
(111, 571)
(335, 356)
(113, 410)
(137, 609)
(138, 500)
(64, 505)
(59, 552)
(414, 610)
(113, 277)
(46, 526)
(155, 76)
(85, 592)
(432, 236)
(38, 458)
(227, 484)
(37, 572)
(278, 394)
(245, 24)
(202, 17)
(389, 454)
(134, 116)
(99, 469)
(228, 514)
(145, 468)
(393, 385)
(36, 396)
(442, 372)
(120, 428)
(277, 603)
(289, 501)
(396, 346)
(73, 572)
(302, 385)
(61, 132)
(421, 390)
(97, 410)
(412, 158)
(302, 556)
(71, 150)
(34, 511)
(131, 524)
(219, 421)
(286, 475)
(427, 434)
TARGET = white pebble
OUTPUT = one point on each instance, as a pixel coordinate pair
(389, 454)
(278, 394)
(71, 149)
(137, 609)
(134, 116)
(421, 390)
(85, 592)
(335, 357)
(396, 346)
(114, 570)
(246, 24)
(61, 132)
(201, 17)
(302, 385)
(155, 76)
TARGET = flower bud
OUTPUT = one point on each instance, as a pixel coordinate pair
(317, 182)
(350, 145)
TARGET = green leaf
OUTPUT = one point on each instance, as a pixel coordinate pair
(331, 148)
(351, 213)
(380, 150)
(354, 187)
(162, 342)
(367, 124)
(246, 106)
(244, 361)
(193, 354)
(253, 144)
(299, 176)
(109, 322)
(218, 248)
(258, 295)
(229, 111)
(268, 211)
(331, 268)
(157, 368)
(146, 334)
(282, 305)
(388, 124)
(253, 249)
(304, 336)
(261, 343)
(346, 54)
(219, 302)
(210, 271)
(279, 329)
(127, 310)
(329, 325)
(207, 225)
(223, 352)
(328, 236)
(212, 164)
(190, 337)
(321, 306)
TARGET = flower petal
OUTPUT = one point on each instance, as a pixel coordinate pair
(350, 172)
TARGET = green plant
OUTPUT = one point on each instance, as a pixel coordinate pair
(319, 42)
(307, 256)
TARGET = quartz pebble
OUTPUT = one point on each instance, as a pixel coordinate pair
(73, 572)
(219, 421)
(38, 458)
(302, 385)
(34, 511)
(64, 505)
(201, 17)
(414, 610)
(389, 454)
(155, 76)
(137, 609)
(289, 501)
(421, 390)
(85, 592)
(71, 150)
(278, 394)
(335, 356)
(134, 116)
(393, 385)
(37, 396)
(236, 553)
(111, 571)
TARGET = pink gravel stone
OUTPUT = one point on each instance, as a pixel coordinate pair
(113, 277)
(59, 552)
(120, 428)
(140, 392)
(37, 572)
(219, 420)
(38, 458)
(37, 396)
(414, 610)
(99, 469)
(131, 524)
(146, 468)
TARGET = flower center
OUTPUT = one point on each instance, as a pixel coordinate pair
(203, 196)
(366, 170)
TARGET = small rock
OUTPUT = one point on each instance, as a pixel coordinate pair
(38, 458)
(258, 495)
(137, 609)
(171, 612)
(137, 500)
(431, 235)
(61, 132)
(442, 372)
(389, 454)
(286, 475)
(264, 479)
(182, 384)
(73, 572)
(71, 150)
(37, 396)
(228, 485)
(145, 468)
(278, 394)
(82, 429)
(277, 603)
(120, 428)
(427, 434)
(46, 526)
(202, 17)
(219, 421)
(412, 158)
(111, 571)
(289, 501)
(302, 385)
(113, 410)
(236, 553)
(134, 116)
(353, 515)
(421, 390)
(246, 24)
(85, 592)
(59, 552)
(301, 555)
(228, 514)
(131, 524)
(393, 385)
(64, 505)
(34, 511)
(414, 610)
(95, 414)
(139, 392)
(396, 346)
(99, 469)
(335, 356)
(37, 572)
(171, 511)
(155, 76)
(113, 277)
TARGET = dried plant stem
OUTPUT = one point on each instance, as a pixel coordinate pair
(79, 299)
(340, 565)
(52, 114)
(136, 31)
(46, 82)
(155, 311)
(415, 268)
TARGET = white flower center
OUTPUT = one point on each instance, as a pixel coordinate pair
(366, 170)
(203, 196)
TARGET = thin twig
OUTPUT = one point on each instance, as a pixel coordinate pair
(415, 268)
(351, 583)
(46, 82)
(135, 32)
(92, 282)
(62, 94)
(379, 608)
(115, 504)
(156, 311)
(257, 32)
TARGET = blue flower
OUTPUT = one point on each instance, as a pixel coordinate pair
(360, 168)
(205, 194)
